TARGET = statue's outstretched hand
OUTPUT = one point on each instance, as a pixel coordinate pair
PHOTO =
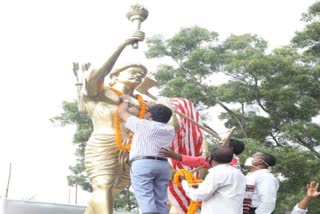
(137, 36)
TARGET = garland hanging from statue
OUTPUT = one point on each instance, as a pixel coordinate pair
(194, 205)
(117, 124)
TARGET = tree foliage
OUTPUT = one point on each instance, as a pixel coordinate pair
(271, 96)
(308, 39)
(269, 93)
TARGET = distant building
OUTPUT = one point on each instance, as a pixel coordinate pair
(31, 207)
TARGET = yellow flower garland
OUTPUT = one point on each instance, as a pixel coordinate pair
(117, 124)
(194, 205)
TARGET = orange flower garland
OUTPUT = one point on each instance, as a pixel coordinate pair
(194, 205)
(117, 124)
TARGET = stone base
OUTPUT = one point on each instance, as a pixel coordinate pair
(31, 207)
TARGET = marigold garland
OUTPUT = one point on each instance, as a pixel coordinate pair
(194, 205)
(117, 124)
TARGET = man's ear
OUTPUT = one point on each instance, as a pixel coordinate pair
(213, 162)
(258, 162)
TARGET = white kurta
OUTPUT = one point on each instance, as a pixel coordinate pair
(222, 191)
(266, 186)
(297, 210)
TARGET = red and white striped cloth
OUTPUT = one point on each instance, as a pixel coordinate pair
(188, 141)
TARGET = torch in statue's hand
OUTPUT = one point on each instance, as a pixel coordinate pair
(137, 14)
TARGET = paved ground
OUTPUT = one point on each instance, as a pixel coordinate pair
(30, 207)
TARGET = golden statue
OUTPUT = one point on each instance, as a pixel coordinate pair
(107, 166)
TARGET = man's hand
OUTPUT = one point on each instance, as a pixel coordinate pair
(182, 177)
(312, 190)
(123, 107)
(312, 193)
(170, 154)
(123, 98)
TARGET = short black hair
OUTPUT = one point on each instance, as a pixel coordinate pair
(268, 158)
(160, 113)
(222, 154)
(237, 146)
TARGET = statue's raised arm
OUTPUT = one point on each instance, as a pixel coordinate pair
(95, 78)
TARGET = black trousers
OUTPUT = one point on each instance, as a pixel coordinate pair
(252, 210)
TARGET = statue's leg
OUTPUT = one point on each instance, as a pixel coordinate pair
(101, 161)
(122, 182)
(89, 210)
(101, 200)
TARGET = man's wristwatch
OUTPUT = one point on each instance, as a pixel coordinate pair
(127, 101)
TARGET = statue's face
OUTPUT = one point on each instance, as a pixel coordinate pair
(132, 76)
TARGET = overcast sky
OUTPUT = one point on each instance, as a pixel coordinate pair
(40, 39)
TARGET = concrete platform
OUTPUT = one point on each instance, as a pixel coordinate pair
(31, 207)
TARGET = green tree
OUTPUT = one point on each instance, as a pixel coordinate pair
(272, 97)
(308, 39)
(269, 93)
(279, 87)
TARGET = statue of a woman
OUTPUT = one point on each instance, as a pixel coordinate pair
(107, 166)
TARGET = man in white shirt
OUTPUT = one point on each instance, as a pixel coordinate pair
(312, 193)
(149, 171)
(223, 189)
(262, 185)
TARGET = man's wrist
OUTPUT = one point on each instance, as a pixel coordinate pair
(308, 198)
(178, 157)
(305, 202)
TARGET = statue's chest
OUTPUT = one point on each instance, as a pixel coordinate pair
(104, 110)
